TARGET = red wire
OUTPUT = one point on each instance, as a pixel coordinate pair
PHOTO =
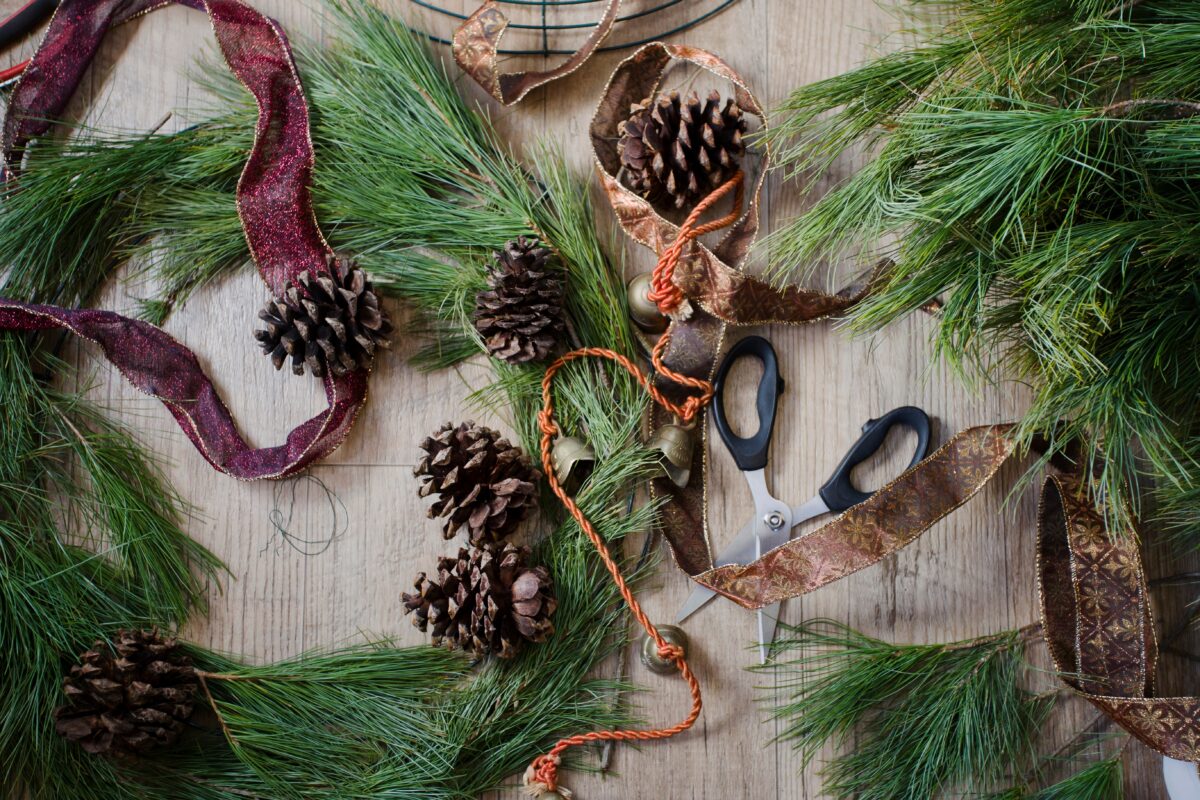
(13, 71)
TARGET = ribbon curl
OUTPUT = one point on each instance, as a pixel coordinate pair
(274, 203)
(476, 48)
(721, 293)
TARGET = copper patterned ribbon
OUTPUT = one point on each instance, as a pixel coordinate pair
(1099, 625)
(274, 203)
(476, 48)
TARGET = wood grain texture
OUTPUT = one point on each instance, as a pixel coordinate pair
(322, 560)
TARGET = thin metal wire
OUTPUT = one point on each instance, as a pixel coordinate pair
(546, 29)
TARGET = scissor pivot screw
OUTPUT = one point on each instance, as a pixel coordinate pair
(774, 520)
(650, 657)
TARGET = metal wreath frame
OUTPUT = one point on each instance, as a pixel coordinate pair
(546, 29)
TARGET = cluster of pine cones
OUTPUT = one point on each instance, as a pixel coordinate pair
(677, 151)
(129, 696)
(486, 600)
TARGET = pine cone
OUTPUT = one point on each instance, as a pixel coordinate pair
(129, 696)
(484, 601)
(481, 481)
(331, 321)
(678, 152)
(520, 315)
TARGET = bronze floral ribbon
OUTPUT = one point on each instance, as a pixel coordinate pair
(274, 203)
(720, 293)
(1098, 622)
(476, 48)
(893, 517)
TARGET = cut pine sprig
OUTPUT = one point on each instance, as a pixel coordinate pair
(924, 718)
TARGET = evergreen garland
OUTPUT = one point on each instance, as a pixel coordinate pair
(1033, 163)
(424, 194)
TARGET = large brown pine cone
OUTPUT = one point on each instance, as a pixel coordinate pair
(480, 479)
(330, 322)
(520, 314)
(676, 152)
(484, 601)
(128, 696)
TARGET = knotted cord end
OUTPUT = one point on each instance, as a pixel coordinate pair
(541, 778)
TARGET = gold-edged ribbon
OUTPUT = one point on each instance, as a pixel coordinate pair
(476, 48)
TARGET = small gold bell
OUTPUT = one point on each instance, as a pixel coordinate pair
(574, 460)
(642, 309)
(675, 445)
(650, 657)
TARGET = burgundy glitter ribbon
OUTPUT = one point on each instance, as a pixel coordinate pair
(274, 203)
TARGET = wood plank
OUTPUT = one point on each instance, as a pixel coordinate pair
(971, 575)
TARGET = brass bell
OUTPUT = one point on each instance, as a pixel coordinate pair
(675, 445)
(573, 460)
(642, 309)
(650, 657)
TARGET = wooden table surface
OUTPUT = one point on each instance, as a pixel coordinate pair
(337, 573)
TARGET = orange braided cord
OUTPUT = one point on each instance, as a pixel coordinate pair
(663, 290)
(543, 772)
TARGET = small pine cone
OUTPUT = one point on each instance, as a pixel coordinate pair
(676, 152)
(331, 322)
(481, 481)
(520, 315)
(484, 601)
(128, 696)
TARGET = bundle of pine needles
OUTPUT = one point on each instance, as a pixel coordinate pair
(927, 720)
(423, 195)
(1033, 164)
(924, 718)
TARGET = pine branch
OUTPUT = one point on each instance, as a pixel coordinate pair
(1034, 166)
(923, 718)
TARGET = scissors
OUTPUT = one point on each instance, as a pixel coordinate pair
(773, 520)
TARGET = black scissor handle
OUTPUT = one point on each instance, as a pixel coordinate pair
(838, 492)
(750, 453)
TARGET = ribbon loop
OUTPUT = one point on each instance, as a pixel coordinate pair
(274, 203)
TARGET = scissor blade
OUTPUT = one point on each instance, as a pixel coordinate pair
(809, 509)
(696, 600)
(768, 619)
(740, 551)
